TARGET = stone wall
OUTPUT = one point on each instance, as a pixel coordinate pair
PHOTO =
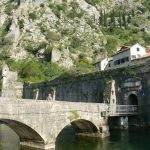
(82, 89)
(132, 87)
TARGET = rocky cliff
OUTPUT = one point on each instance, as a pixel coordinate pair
(71, 31)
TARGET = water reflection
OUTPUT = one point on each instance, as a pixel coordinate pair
(135, 139)
(8, 139)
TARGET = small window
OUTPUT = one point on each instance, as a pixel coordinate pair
(127, 58)
(112, 92)
(133, 56)
(138, 49)
(123, 60)
(118, 61)
(109, 65)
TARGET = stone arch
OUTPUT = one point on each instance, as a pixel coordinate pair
(25, 133)
(82, 125)
(132, 99)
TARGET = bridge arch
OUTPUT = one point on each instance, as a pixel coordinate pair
(82, 125)
(132, 99)
(78, 126)
(25, 133)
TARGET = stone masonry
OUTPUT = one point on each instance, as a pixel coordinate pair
(38, 123)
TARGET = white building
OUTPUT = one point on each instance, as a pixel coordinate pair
(123, 57)
(101, 65)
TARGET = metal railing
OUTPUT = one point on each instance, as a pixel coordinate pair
(119, 110)
(126, 109)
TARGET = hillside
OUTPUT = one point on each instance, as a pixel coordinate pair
(42, 39)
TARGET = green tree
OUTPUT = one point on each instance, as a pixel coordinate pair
(124, 20)
(120, 20)
(105, 19)
(31, 70)
(32, 16)
(101, 18)
(53, 70)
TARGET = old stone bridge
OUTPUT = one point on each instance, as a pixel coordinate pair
(38, 123)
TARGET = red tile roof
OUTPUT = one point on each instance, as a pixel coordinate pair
(148, 50)
(122, 49)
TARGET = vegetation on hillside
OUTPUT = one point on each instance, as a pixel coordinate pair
(86, 37)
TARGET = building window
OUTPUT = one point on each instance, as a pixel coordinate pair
(138, 49)
(139, 55)
(133, 56)
(123, 60)
(118, 61)
(127, 58)
(109, 65)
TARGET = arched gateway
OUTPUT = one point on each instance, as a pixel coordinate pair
(132, 99)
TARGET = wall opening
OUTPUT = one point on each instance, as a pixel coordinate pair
(132, 99)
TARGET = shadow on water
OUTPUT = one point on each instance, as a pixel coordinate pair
(133, 139)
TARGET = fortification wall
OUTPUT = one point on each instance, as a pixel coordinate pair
(92, 88)
(89, 88)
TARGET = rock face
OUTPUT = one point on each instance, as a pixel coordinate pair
(60, 25)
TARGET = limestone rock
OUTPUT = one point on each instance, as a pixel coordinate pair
(56, 55)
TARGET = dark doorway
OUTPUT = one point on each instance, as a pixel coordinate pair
(132, 99)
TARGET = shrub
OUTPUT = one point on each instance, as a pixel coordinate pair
(32, 16)
(4, 55)
(31, 70)
(76, 42)
(8, 8)
(52, 36)
(6, 26)
(92, 2)
(21, 23)
(53, 70)
(112, 44)
(33, 47)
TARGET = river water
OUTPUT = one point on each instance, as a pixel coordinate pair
(133, 139)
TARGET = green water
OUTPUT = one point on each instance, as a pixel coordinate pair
(134, 139)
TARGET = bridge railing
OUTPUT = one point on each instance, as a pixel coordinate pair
(129, 109)
(119, 110)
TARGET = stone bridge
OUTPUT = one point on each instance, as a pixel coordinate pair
(38, 123)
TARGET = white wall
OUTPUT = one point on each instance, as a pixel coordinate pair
(136, 53)
(104, 63)
(136, 50)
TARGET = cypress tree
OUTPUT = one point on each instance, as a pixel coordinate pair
(120, 20)
(113, 18)
(111, 24)
(105, 19)
(101, 18)
(129, 19)
(133, 14)
(124, 20)
(94, 18)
